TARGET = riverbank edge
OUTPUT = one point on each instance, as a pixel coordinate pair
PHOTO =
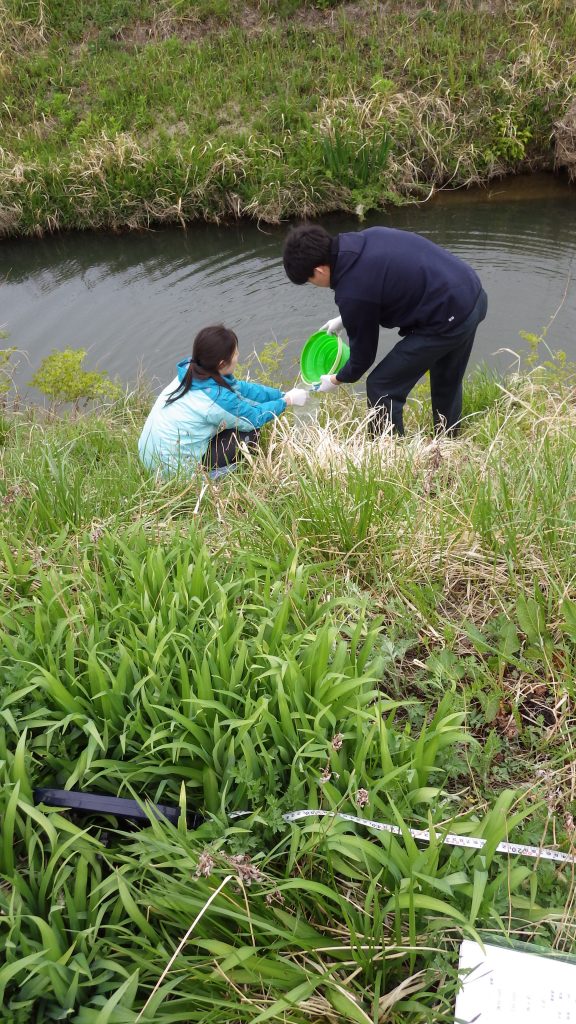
(226, 218)
(372, 111)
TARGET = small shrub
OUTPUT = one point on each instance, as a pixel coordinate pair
(266, 366)
(7, 368)
(62, 378)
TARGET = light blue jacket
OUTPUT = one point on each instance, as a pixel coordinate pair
(177, 436)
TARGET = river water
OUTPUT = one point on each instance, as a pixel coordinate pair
(135, 301)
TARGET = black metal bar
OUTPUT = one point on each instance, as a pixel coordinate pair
(100, 803)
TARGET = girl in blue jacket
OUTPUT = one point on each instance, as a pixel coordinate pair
(204, 414)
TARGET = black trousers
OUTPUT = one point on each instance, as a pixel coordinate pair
(224, 448)
(444, 355)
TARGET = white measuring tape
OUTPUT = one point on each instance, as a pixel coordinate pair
(468, 842)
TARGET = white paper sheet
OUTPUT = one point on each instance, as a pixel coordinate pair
(509, 986)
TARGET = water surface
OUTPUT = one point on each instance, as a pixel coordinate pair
(135, 301)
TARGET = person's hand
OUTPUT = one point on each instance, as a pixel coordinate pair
(328, 382)
(333, 326)
(296, 396)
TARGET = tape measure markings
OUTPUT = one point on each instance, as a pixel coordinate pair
(466, 842)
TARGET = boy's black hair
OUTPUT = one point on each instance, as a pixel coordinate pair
(306, 247)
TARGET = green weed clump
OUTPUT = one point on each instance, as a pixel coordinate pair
(63, 379)
(382, 628)
(123, 114)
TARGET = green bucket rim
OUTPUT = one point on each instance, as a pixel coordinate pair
(310, 372)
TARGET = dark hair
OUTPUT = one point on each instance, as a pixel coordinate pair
(212, 346)
(306, 247)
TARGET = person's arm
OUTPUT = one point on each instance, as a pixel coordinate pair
(257, 392)
(361, 320)
(230, 410)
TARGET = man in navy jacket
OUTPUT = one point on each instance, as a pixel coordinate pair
(383, 277)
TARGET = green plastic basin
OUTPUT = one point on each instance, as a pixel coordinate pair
(322, 353)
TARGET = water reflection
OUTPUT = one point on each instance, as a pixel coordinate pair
(136, 300)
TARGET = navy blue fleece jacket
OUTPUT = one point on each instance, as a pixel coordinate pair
(383, 277)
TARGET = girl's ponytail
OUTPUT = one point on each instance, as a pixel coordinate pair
(184, 385)
(212, 346)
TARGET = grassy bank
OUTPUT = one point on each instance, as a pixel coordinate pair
(384, 629)
(116, 113)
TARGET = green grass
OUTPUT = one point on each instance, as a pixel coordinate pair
(124, 114)
(384, 629)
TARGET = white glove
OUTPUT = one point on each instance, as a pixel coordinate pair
(296, 396)
(333, 326)
(326, 384)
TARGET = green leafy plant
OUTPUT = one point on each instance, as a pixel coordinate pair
(350, 160)
(6, 369)
(174, 676)
(510, 140)
(268, 365)
(62, 378)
